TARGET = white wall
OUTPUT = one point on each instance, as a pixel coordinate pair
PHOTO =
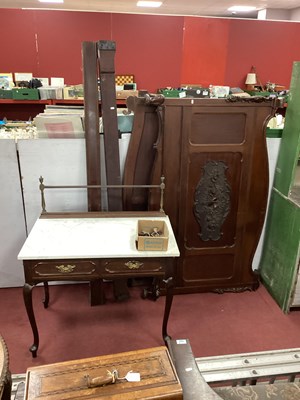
(60, 162)
(273, 145)
(12, 223)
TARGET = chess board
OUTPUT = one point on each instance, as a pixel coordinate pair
(123, 79)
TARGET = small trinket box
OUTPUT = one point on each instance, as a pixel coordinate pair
(153, 235)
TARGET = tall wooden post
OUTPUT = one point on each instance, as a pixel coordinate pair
(91, 121)
(92, 143)
(106, 55)
(98, 60)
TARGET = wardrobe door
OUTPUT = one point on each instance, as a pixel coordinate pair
(223, 184)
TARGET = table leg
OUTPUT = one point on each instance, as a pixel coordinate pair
(97, 295)
(27, 295)
(168, 304)
(46, 291)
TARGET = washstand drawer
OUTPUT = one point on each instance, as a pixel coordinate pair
(132, 266)
(58, 269)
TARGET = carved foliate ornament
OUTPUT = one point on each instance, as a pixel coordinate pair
(212, 200)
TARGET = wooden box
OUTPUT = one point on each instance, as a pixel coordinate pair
(124, 94)
(67, 380)
(25, 94)
(171, 92)
(146, 241)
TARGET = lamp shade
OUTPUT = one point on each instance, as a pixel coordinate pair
(251, 79)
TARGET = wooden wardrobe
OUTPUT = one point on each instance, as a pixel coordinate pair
(213, 155)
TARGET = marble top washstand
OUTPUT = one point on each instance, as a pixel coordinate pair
(70, 238)
(89, 247)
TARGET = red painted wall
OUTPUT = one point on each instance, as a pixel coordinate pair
(270, 46)
(205, 47)
(150, 47)
(60, 37)
(159, 50)
(17, 33)
(222, 51)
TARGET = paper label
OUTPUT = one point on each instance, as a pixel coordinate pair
(133, 377)
(181, 341)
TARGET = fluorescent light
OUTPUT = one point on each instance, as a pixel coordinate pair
(51, 1)
(241, 8)
(149, 3)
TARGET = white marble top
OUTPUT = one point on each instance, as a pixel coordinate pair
(66, 238)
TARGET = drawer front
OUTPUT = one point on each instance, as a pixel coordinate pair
(133, 266)
(64, 269)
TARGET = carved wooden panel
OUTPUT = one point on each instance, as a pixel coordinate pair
(212, 200)
(216, 189)
(212, 197)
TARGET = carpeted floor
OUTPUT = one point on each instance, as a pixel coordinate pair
(70, 329)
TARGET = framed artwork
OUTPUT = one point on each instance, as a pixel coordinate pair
(6, 80)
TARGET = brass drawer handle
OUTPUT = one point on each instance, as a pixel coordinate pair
(133, 264)
(65, 268)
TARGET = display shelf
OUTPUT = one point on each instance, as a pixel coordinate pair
(80, 101)
(67, 101)
(26, 109)
(12, 101)
(21, 110)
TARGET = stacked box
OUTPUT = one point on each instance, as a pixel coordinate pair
(125, 123)
(47, 93)
(172, 92)
(25, 94)
(197, 92)
(5, 94)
